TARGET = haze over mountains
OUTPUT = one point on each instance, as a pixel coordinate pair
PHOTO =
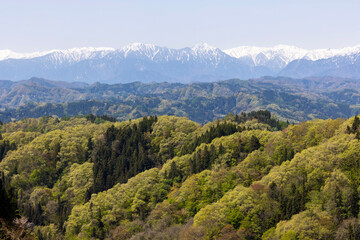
(290, 99)
(148, 63)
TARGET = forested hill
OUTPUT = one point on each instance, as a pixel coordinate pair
(292, 99)
(247, 176)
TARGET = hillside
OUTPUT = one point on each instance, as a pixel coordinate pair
(292, 99)
(168, 177)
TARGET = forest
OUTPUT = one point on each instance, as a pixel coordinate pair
(246, 176)
(295, 100)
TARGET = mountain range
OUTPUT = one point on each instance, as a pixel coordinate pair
(149, 63)
(289, 99)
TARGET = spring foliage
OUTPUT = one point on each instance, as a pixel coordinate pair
(242, 177)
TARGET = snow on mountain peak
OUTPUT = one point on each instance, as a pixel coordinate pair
(139, 47)
(77, 54)
(274, 57)
(201, 61)
(331, 52)
(204, 52)
(8, 54)
(146, 50)
(203, 47)
(284, 52)
(73, 54)
(288, 53)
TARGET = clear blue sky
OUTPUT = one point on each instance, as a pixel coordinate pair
(32, 25)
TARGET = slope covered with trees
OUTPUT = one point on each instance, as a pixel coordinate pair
(246, 176)
(292, 99)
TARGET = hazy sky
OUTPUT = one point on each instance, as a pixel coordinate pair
(47, 24)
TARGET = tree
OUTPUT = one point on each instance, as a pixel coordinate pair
(124, 153)
(7, 201)
(355, 125)
(253, 144)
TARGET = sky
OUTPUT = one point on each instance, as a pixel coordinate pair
(39, 25)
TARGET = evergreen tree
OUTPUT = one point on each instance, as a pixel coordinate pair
(355, 125)
(125, 153)
(7, 201)
(253, 144)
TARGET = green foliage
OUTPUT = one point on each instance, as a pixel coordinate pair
(219, 130)
(170, 178)
(124, 153)
(6, 146)
(135, 199)
(200, 102)
(354, 128)
(99, 119)
(170, 135)
(306, 225)
(263, 116)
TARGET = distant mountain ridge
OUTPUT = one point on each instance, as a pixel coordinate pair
(292, 99)
(149, 63)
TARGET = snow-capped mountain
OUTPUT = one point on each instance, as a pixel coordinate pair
(278, 57)
(74, 54)
(148, 62)
(200, 52)
(261, 55)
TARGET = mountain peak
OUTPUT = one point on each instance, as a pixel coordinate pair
(140, 49)
(139, 46)
(148, 62)
(285, 52)
(8, 54)
(72, 53)
(203, 47)
(331, 52)
(289, 53)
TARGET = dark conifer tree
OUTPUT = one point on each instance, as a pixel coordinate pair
(253, 144)
(355, 125)
(7, 201)
(124, 153)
